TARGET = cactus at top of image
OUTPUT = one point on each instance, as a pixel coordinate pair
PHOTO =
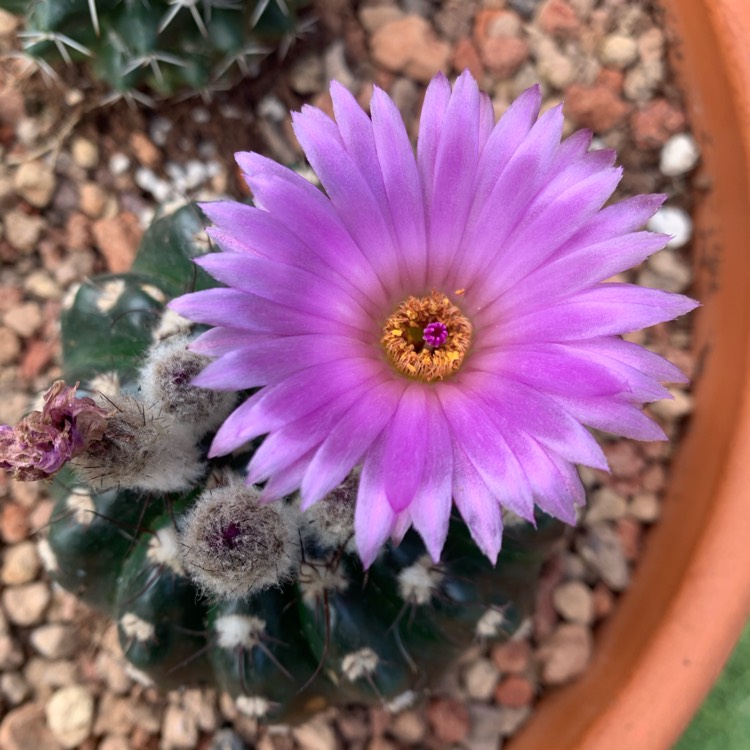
(161, 47)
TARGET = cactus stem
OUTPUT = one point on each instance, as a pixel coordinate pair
(195, 655)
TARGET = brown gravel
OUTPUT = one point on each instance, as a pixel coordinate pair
(78, 184)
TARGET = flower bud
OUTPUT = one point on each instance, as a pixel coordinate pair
(330, 522)
(141, 448)
(233, 546)
(165, 382)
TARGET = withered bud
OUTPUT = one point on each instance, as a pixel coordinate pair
(43, 441)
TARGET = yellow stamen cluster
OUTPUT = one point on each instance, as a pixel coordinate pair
(406, 348)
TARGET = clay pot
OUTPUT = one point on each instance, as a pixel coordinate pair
(660, 653)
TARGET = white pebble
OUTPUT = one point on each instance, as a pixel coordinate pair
(672, 221)
(148, 181)
(119, 163)
(678, 155)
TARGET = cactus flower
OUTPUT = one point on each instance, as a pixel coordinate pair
(441, 322)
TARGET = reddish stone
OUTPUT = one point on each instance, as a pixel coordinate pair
(503, 56)
(37, 356)
(514, 691)
(654, 478)
(512, 657)
(597, 107)
(449, 719)
(611, 78)
(14, 523)
(604, 601)
(465, 56)
(652, 125)
(624, 459)
(557, 18)
(630, 533)
(118, 238)
(78, 232)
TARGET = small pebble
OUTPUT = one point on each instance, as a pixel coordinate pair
(25, 319)
(34, 181)
(645, 507)
(618, 51)
(179, 729)
(512, 657)
(605, 505)
(22, 230)
(574, 601)
(24, 728)
(70, 713)
(25, 604)
(409, 727)
(20, 564)
(85, 152)
(679, 155)
(565, 654)
(515, 691)
(601, 548)
(480, 679)
(672, 221)
(449, 719)
(14, 687)
(55, 640)
(315, 734)
(119, 163)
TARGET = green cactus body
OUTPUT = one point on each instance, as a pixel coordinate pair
(165, 47)
(328, 632)
(160, 619)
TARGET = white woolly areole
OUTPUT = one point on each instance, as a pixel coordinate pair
(239, 630)
(511, 519)
(171, 324)
(359, 664)
(136, 627)
(154, 292)
(315, 579)
(47, 556)
(418, 582)
(80, 504)
(253, 706)
(491, 624)
(401, 702)
(164, 549)
(111, 292)
(138, 675)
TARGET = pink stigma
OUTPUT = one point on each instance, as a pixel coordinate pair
(435, 334)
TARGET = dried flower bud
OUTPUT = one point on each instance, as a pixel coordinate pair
(42, 442)
(141, 448)
(232, 545)
(166, 379)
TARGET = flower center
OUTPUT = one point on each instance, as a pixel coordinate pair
(427, 338)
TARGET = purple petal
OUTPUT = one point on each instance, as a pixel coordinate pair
(348, 441)
(374, 518)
